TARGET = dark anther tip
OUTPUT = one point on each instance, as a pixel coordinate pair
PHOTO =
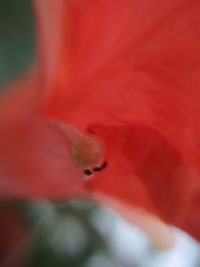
(87, 172)
(101, 167)
(104, 165)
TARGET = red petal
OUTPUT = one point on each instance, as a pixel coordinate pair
(124, 177)
(151, 178)
(80, 38)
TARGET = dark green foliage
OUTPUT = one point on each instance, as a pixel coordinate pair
(16, 37)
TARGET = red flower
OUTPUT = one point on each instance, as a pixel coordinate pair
(128, 73)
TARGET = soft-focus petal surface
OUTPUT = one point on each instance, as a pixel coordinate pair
(146, 171)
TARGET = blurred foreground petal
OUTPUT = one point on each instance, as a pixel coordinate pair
(36, 161)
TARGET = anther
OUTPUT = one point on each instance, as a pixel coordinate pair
(87, 172)
(101, 167)
(96, 169)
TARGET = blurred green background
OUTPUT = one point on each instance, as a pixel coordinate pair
(75, 233)
(17, 42)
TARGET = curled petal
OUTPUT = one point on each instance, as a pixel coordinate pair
(149, 179)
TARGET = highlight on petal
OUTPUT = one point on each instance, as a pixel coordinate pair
(51, 28)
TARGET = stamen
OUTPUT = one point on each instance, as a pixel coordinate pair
(87, 149)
